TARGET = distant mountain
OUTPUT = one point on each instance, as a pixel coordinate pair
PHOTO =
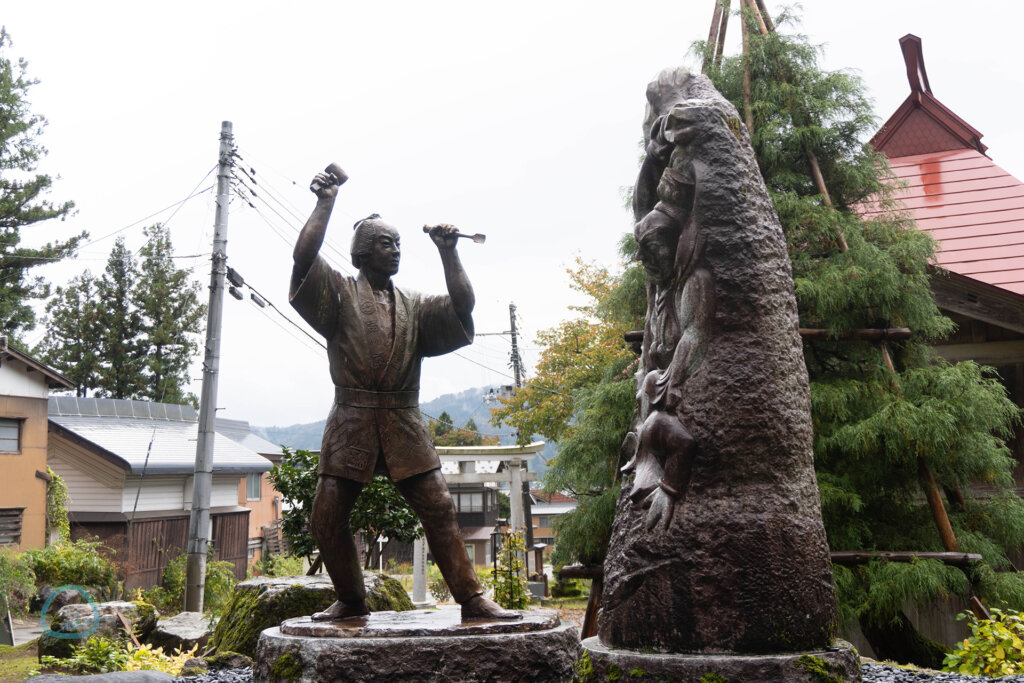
(461, 407)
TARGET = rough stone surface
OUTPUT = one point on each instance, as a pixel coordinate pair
(544, 655)
(224, 661)
(263, 602)
(141, 616)
(599, 663)
(182, 631)
(742, 563)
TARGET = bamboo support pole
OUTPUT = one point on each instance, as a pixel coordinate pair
(724, 24)
(748, 110)
(756, 13)
(765, 17)
(712, 45)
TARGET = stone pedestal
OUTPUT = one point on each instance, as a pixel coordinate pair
(599, 663)
(422, 645)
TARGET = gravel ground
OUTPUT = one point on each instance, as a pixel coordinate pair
(870, 671)
(873, 672)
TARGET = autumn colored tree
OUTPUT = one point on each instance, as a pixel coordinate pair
(582, 396)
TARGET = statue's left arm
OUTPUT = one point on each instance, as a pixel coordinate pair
(459, 289)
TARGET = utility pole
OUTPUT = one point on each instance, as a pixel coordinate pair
(517, 361)
(199, 519)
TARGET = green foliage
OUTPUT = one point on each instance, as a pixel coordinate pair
(994, 648)
(99, 654)
(382, 512)
(57, 500)
(219, 583)
(121, 350)
(22, 197)
(438, 588)
(583, 396)
(82, 563)
(444, 433)
(132, 332)
(72, 336)
(279, 565)
(509, 582)
(874, 429)
(17, 582)
(295, 478)
(167, 299)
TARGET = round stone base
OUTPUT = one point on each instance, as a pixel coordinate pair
(600, 663)
(422, 645)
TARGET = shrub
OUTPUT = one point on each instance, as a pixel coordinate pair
(994, 648)
(17, 582)
(278, 565)
(99, 654)
(220, 582)
(568, 588)
(510, 589)
(82, 563)
(439, 590)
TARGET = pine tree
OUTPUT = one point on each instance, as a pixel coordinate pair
(167, 298)
(121, 351)
(22, 202)
(72, 342)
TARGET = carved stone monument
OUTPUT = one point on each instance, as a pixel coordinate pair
(718, 561)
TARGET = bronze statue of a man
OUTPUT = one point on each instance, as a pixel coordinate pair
(377, 336)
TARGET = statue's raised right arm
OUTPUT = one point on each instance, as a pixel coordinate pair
(325, 186)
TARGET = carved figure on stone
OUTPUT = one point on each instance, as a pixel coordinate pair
(377, 335)
(718, 541)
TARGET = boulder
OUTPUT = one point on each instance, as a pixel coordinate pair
(77, 622)
(182, 632)
(264, 602)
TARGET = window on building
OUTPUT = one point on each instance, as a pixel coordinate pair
(471, 551)
(10, 435)
(10, 526)
(252, 485)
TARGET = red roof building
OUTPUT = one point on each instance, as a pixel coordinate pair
(975, 210)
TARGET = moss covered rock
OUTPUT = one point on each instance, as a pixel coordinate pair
(263, 602)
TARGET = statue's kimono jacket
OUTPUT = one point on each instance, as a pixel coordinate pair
(375, 421)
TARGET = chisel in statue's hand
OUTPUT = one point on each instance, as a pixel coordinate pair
(478, 238)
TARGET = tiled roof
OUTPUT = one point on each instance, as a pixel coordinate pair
(128, 431)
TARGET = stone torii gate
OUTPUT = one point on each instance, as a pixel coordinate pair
(514, 473)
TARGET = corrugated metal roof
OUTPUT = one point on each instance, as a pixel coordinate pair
(973, 208)
(125, 429)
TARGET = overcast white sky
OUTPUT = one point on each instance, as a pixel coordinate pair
(521, 121)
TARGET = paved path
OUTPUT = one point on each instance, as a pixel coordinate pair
(26, 629)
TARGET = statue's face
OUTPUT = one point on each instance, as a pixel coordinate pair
(657, 248)
(385, 252)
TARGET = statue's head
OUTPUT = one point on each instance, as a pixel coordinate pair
(375, 245)
(657, 237)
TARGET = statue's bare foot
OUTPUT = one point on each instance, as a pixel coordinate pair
(342, 610)
(479, 607)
